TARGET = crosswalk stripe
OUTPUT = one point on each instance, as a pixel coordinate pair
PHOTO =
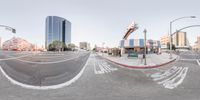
(198, 62)
(167, 73)
(170, 78)
(103, 66)
(171, 84)
(174, 75)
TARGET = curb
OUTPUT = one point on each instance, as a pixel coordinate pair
(141, 67)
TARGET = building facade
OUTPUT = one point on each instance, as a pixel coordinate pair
(180, 40)
(137, 45)
(198, 40)
(84, 45)
(196, 46)
(57, 29)
(17, 44)
(163, 41)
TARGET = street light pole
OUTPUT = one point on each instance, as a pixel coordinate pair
(145, 49)
(103, 48)
(170, 41)
(170, 35)
(9, 28)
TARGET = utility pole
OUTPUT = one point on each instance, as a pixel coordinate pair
(145, 48)
(170, 34)
(9, 28)
(103, 48)
(170, 41)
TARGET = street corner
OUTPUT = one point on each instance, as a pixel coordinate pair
(152, 61)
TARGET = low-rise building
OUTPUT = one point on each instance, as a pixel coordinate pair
(196, 46)
(84, 45)
(17, 44)
(164, 40)
(180, 41)
(137, 45)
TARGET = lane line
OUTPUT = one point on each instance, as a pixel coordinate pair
(95, 71)
(15, 57)
(198, 62)
(45, 87)
(60, 61)
(188, 59)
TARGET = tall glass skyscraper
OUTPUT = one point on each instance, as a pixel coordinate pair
(57, 29)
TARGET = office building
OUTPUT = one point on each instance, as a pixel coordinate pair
(57, 29)
(84, 45)
(180, 40)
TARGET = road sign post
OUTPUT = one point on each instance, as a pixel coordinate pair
(145, 47)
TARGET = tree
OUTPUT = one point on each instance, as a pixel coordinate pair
(56, 46)
(71, 46)
(173, 46)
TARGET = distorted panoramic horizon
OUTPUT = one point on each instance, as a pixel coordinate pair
(105, 19)
(99, 49)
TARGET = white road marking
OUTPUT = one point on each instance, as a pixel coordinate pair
(45, 87)
(151, 64)
(167, 73)
(16, 57)
(172, 84)
(190, 54)
(188, 59)
(156, 75)
(104, 67)
(198, 62)
(172, 77)
(95, 71)
(101, 68)
(53, 62)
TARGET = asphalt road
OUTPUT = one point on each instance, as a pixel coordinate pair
(103, 80)
(43, 69)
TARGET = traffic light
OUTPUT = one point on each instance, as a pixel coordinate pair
(13, 30)
(10, 29)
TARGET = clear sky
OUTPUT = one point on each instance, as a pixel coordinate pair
(98, 21)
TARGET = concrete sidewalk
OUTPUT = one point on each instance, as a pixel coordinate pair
(153, 60)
